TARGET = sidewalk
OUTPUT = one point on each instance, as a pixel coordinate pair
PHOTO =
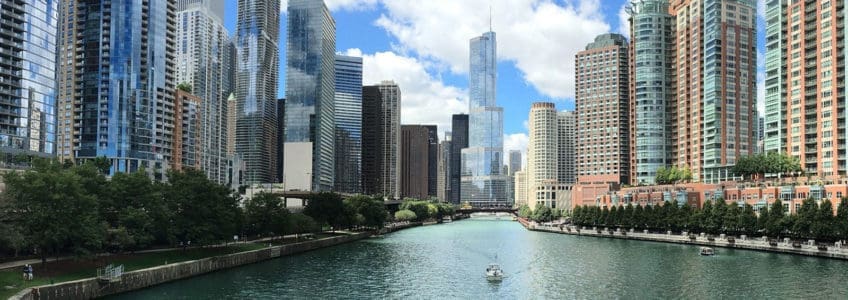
(21, 263)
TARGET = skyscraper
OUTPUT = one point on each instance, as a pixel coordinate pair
(188, 140)
(381, 139)
(459, 141)
(28, 77)
(202, 44)
(432, 159)
(566, 150)
(443, 188)
(310, 91)
(281, 135)
(805, 93)
(514, 161)
(348, 107)
(602, 108)
(482, 183)
(123, 98)
(652, 87)
(716, 85)
(258, 35)
(542, 151)
(414, 161)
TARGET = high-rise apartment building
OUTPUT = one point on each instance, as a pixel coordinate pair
(652, 88)
(381, 139)
(28, 77)
(520, 185)
(805, 93)
(602, 107)
(310, 92)
(692, 86)
(258, 34)
(122, 103)
(348, 120)
(432, 160)
(715, 85)
(281, 138)
(482, 182)
(188, 140)
(414, 161)
(542, 150)
(566, 147)
(202, 63)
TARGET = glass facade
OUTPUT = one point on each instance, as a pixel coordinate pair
(256, 80)
(348, 117)
(310, 85)
(202, 44)
(653, 62)
(27, 77)
(123, 103)
(483, 182)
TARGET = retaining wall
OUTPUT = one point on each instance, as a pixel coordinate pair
(93, 288)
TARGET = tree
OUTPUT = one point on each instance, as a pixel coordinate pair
(372, 210)
(300, 223)
(823, 222)
(748, 220)
(204, 211)
(102, 164)
(663, 176)
(405, 215)
(775, 226)
(54, 210)
(841, 223)
(265, 214)
(732, 218)
(542, 214)
(524, 211)
(138, 207)
(804, 218)
(327, 209)
(184, 86)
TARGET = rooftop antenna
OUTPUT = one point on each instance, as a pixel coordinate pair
(490, 16)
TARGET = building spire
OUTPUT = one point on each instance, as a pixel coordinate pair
(490, 16)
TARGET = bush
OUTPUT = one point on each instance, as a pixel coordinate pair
(405, 215)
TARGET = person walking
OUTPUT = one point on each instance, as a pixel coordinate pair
(26, 268)
(29, 273)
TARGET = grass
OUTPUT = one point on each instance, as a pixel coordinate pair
(69, 270)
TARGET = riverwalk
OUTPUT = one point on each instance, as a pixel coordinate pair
(809, 248)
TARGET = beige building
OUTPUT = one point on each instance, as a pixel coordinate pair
(542, 152)
(520, 178)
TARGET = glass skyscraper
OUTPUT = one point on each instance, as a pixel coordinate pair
(483, 182)
(348, 117)
(27, 77)
(310, 91)
(258, 34)
(121, 96)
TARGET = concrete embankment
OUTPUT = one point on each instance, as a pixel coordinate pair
(809, 248)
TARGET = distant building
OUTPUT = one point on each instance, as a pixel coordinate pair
(432, 159)
(459, 141)
(602, 108)
(28, 66)
(514, 161)
(443, 188)
(281, 139)
(348, 118)
(520, 192)
(381, 139)
(257, 38)
(310, 92)
(414, 161)
(566, 150)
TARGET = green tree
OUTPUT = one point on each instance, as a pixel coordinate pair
(776, 224)
(372, 210)
(748, 220)
(823, 223)
(138, 206)
(204, 211)
(54, 211)
(804, 219)
(405, 215)
(265, 214)
(327, 209)
(300, 224)
(627, 216)
(663, 176)
(732, 219)
(184, 86)
(639, 217)
(841, 223)
(542, 214)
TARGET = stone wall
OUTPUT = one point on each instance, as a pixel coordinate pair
(93, 288)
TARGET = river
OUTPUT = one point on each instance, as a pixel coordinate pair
(448, 262)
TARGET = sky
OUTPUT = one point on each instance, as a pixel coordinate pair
(423, 46)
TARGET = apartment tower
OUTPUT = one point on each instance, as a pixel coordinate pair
(542, 151)
(348, 119)
(381, 139)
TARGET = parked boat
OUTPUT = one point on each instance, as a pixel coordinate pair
(494, 273)
(707, 251)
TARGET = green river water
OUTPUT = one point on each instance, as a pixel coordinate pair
(448, 261)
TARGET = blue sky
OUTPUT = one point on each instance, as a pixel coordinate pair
(423, 45)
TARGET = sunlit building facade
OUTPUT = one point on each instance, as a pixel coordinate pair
(482, 180)
(348, 116)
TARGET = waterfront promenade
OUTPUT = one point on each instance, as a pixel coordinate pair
(809, 248)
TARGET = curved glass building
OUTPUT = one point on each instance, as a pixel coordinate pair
(483, 182)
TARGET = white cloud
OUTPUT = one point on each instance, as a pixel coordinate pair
(623, 24)
(540, 36)
(515, 141)
(424, 98)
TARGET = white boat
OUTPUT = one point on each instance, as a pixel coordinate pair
(494, 273)
(707, 251)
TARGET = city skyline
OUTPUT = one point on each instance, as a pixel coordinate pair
(434, 72)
